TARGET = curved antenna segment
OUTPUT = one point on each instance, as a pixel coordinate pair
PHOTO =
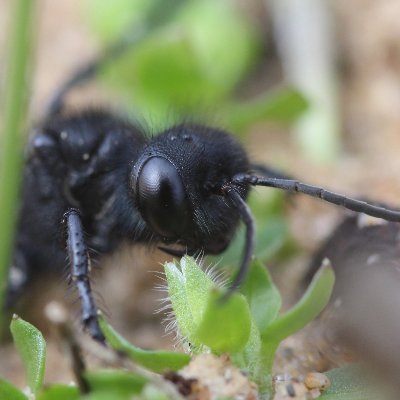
(248, 220)
(315, 191)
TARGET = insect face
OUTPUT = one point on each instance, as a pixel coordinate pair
(177, 186)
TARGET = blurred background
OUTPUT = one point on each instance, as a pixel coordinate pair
(311, 88)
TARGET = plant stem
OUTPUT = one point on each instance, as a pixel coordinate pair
(15, 101)
(263, 376)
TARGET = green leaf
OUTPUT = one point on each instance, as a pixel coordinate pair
(348, 383)
(157, 361)
(60, 392)
(197, 285)
(9, 392)
(178, 298)
(32, 349)
(225, 326)
(116, 381)
(110, 20)
(272, 233)
(155, 75)
(282, 105)
(107, 396)
(310, 305)
(262, 295)
(271, 236)
(188, 288)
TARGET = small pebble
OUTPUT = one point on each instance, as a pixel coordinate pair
(316, 380)
(290, 390)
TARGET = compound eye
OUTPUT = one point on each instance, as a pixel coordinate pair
(162, 198)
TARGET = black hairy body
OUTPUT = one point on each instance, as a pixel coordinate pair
(85, 161)
(108, 183)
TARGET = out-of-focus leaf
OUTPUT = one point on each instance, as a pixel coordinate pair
(270, 239)
(174, 69)
(9, 392)
(282, 105)
(60, 392)
(157, 361)
(159, 73)
(213, 26)
(225, 326)
(116, 381)
(108, 395)
(262, 295)
(272, 233)
(111, 20)
(348, 383)
(309, 306)
(32, 349)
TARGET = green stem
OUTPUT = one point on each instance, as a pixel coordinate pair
(20, 37)
(263, 376)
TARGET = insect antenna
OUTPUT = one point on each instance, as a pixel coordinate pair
(295, 186)
(269, 171)
(245, 214)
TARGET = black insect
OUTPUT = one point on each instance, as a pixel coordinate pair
(183, 190)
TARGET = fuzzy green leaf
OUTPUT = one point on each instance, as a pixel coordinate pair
(225, 326)
(157, 361)
(178, 298)
(188, 288)
(197, 285)
(262, 295)
(32, 349)
(310, 305)
(9, 392)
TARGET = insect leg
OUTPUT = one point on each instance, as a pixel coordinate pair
(80, 268)
(315, 191)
